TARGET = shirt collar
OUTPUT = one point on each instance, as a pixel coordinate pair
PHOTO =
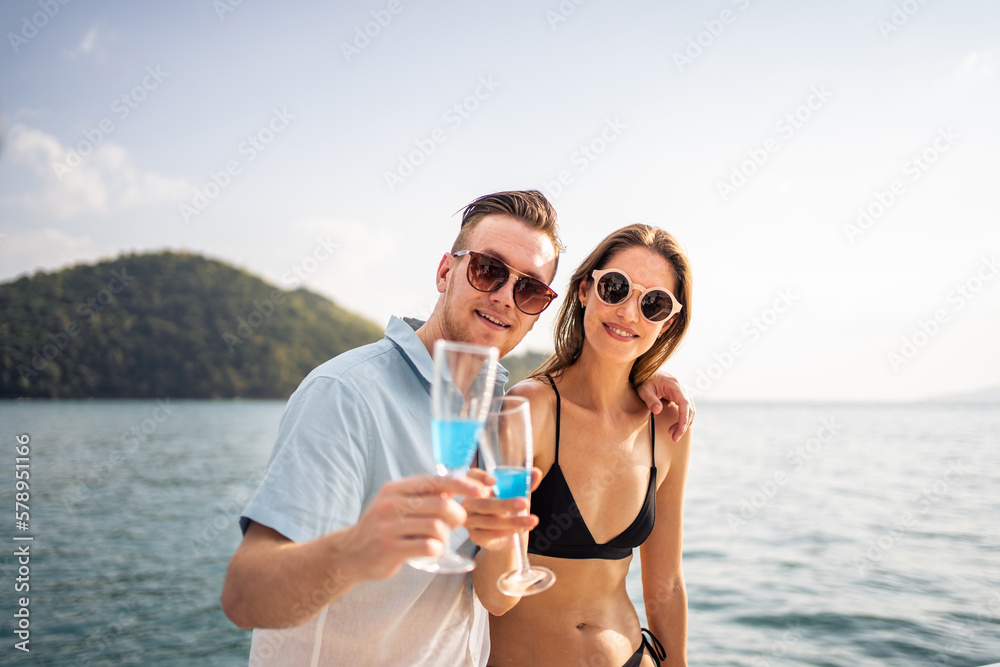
(402, 332)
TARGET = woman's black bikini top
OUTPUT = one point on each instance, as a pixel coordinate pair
(561, 531)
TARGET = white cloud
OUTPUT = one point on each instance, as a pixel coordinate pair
(68, 184)
(976, 66)
(92, 44)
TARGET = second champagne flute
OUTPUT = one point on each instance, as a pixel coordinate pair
(507, 454)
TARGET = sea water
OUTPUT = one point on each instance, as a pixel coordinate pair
(827, 534)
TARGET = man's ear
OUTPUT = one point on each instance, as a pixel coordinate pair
(444, 268)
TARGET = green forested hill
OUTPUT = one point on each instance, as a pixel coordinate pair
(521, 364)
(165, 324)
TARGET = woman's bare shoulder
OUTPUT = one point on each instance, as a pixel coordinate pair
(532, 389)
(539, 394)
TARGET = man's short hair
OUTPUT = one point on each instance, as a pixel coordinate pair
(528, 206)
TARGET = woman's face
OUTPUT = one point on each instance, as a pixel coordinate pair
(620, 331)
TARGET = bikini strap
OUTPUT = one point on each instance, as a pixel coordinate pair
(652, 437)
(552, 383)
(656, 649)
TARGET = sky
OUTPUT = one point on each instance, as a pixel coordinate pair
(830, 168)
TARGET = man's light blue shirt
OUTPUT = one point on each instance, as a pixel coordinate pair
(356, 422)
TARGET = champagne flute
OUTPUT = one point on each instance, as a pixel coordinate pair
(463, 386)
(506, 447)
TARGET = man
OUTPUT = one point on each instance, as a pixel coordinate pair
(346, 499)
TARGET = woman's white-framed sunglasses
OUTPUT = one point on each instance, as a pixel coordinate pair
(613, 287)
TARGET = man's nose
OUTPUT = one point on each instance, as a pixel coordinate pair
(504, 295)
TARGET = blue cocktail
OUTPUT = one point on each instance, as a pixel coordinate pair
(461, 393)
(512, 482)
(507, 450)
(455, 442)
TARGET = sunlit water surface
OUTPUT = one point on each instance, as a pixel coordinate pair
(814, 535)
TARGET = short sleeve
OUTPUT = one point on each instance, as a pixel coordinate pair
(316, 481)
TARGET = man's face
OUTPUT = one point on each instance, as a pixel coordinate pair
(491, 318)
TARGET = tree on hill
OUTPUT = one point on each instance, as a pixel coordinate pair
(165, 324)
(520, 365)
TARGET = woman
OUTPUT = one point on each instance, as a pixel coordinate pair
(610, 468)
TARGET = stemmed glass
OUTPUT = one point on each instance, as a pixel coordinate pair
(461, 392)
(506, 448)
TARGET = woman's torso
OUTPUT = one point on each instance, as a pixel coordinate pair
(607, 463)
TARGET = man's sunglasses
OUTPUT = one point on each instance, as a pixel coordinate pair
(488, 274)
(614, 287)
